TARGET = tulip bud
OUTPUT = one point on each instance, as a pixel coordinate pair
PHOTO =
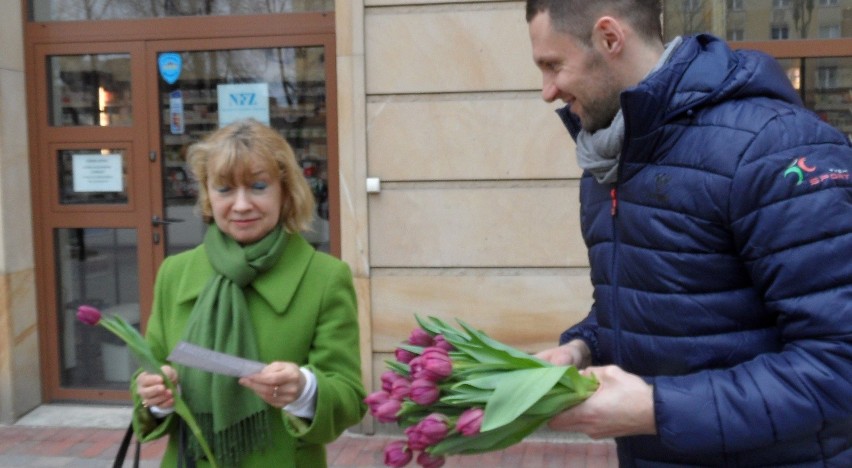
(424, 392)
(88, 315)
(415, 440)
(441, 342)
(420, 337)
(397, 454)
(470, 421)
(386, 412)
(388, 378)
(375, 399)
(400, 389)
(403, 355)
(434, 428)
(436, 364)
(427, 460)
(415, 367)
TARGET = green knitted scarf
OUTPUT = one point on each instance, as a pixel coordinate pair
(233, 419)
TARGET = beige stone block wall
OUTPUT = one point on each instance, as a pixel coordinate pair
(477, 216)
(20, 384)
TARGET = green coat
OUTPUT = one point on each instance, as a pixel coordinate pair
(304, 311)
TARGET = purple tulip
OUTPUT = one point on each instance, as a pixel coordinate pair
(436, 364)
(427, 460)
(415, 367)
(420, 337)
(433, 428)
(416, 440)
(375, 399)
(388, 378)
(386, 412)
(470, 421)
(400, 389)
(403, 355)
(397, 454)
(424, 392)
(88, 314)
(441, 342)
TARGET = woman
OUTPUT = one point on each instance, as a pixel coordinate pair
(256, 289)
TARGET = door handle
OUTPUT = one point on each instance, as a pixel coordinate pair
(158, 221)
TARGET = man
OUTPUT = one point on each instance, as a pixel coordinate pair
(717, 213)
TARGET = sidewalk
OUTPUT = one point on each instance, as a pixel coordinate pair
(73, 436)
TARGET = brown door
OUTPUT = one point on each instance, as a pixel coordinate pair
(113, 121)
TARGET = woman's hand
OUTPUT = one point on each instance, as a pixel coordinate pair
(279, 384)
(153, 390)
(622, 405)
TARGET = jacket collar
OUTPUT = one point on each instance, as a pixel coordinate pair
(277, 286)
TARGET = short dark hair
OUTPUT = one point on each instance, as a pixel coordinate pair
(577, 17)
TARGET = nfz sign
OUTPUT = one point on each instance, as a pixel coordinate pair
(243, 101)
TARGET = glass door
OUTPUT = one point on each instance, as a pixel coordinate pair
(94, 175)
(204, 85)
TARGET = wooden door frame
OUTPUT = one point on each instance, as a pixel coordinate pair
(55, 38)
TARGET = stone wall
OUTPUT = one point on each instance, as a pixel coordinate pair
(20, 382)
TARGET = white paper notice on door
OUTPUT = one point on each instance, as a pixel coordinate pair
(243, 101)
(97, 173)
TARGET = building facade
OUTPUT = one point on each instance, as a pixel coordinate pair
(449, 187)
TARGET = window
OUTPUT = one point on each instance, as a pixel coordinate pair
(831, 31)
(73, 10)
(827, 3)
(736, 35)
(826, 77)
(735, 5)
(780, 32)
(777, 4)
(690, 5)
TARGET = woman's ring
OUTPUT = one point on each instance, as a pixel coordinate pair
(275, 392)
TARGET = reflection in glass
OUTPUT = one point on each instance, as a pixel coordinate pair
(828, 90)
(90, 90)
(65, 10)
(292, 79)
(759, 20)
(97, 267)
(92, 176)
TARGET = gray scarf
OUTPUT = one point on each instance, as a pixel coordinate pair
(599, 152)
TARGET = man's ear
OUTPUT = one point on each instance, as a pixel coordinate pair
(608, 36)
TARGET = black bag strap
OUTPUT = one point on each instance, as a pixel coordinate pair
(122, 450)
(184, 460)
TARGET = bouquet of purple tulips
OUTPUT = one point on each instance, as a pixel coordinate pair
(461, 392)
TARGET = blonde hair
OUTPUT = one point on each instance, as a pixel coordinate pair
(226, 154)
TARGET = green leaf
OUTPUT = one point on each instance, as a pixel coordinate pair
(436, 326)
(497, 439)
(467, 397)
(399, 368)
(508, 353)
(517, 393)
(184, 412)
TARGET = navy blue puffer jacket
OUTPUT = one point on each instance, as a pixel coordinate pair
(722, 265)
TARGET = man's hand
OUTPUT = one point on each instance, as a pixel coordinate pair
(623, 405)
(573, 353)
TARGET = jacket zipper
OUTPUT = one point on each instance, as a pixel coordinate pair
(613, 195)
